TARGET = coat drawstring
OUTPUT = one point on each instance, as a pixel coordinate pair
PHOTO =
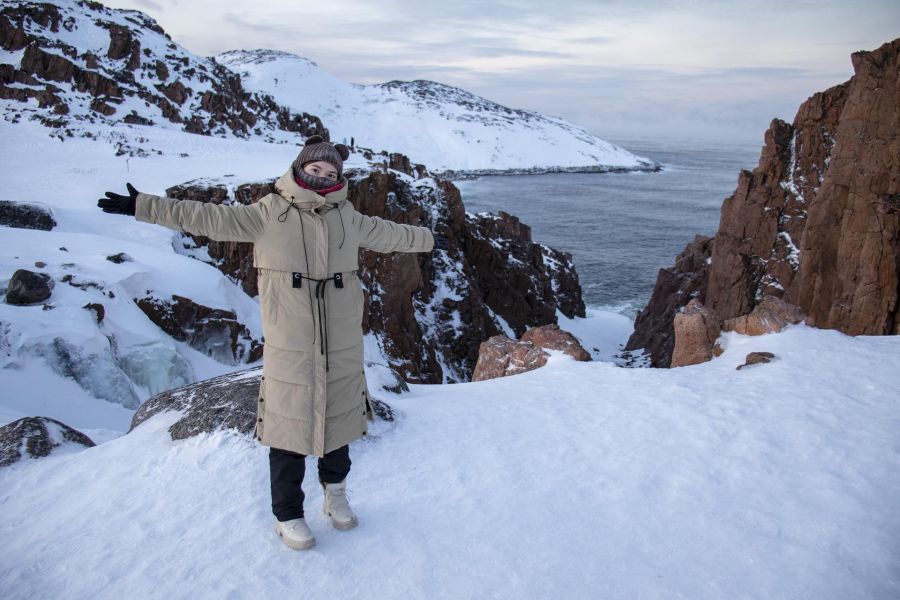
(322, 306)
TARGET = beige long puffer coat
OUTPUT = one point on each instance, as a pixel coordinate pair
(313, 395)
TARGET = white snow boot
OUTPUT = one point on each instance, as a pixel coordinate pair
(336, 506)
(295, 533)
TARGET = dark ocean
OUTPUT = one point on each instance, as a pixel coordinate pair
(621, 228)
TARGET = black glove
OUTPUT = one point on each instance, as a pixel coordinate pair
(119, 204)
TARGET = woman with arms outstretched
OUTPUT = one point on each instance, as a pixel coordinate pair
(313, 398)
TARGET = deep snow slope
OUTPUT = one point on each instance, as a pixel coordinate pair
(577, 480)
(441, 126)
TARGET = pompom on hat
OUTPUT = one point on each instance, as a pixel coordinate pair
(316, 148)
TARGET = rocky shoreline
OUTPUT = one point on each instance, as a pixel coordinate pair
(460, 175)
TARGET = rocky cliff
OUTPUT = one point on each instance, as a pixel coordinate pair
(75, 65)
(816, 223)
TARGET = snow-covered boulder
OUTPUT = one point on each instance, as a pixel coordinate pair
(37, 437)
(26, 215)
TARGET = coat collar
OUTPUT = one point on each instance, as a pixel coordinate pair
(306, 199)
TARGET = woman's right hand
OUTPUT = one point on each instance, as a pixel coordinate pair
(119, 204)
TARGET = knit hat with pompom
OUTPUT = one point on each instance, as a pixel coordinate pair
(316, 148)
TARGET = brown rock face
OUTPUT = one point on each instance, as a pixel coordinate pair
(770, 315)
(816, 223)
(119, 42)
(654, 328)
(506, 262)
(501, 356)
(850, 270)
(696, 330)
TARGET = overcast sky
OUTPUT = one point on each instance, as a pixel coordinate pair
(619, 68)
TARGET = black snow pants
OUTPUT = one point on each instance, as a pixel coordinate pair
(286, 470)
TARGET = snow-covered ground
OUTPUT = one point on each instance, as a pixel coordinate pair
(577, 480)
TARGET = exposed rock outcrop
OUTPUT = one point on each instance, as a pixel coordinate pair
(654, 328)
(26, 215)
(816, 223)
(501, 356)
(37, 437)
(770, 315)
(508, 266)
(225, 402)
(696, 330)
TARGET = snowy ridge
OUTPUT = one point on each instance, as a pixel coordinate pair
(86, 67)
(441, 126)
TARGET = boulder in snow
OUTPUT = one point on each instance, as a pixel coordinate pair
(225, 402)
(28, 287)
(26, 215)
(500, 356)
(119, 258)
(554, 338)
(37, 437)
(770, 315)
(755, 358)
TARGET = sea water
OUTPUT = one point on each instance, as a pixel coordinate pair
(621, 228)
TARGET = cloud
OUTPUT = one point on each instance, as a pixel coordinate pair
(149, 5)
(629, 63)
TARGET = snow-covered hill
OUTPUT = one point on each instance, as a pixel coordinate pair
(80, 68)
(444, 127)
(576, 481)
